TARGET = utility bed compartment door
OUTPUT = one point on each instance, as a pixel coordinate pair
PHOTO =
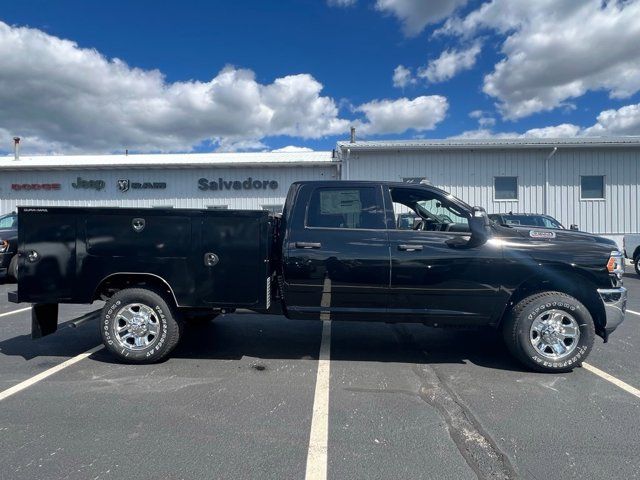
(113, 235)
(50, 240)
(237, 275)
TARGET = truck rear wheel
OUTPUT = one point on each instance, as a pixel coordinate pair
(549, 332)
(636, 264)
(139, 326)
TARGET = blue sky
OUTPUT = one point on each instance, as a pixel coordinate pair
(556, 78)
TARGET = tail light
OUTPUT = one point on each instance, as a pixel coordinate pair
(615, 265)
(4, 246)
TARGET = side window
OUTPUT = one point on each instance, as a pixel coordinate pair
(427, 210)
(7, 222)
(345, 208)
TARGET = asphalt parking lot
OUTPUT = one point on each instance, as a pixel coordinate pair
(238, 399)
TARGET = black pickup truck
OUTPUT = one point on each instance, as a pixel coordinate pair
(336, 253)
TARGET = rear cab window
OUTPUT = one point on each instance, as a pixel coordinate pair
(346, 208)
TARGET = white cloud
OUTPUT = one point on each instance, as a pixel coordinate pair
(417, 14)
(450, 63)
(293, 148)
(64, 99)
(60, 97)
(402, 77)
(555, 51)
(341, 3)
(624, 121)
(397, 116)
(484, 120)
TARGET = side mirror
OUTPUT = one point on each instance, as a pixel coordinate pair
(574, 227)
(479, 225)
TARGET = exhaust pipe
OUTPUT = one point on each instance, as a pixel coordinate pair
(16, 148)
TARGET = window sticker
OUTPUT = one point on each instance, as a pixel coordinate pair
(334, 202)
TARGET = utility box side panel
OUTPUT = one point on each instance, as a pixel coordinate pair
(143, 235)
(47, 255)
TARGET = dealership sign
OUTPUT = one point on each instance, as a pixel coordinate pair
(35, 186)
(247, 184)
(88, 184)
(125, 185)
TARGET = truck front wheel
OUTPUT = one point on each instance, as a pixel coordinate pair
(139, 326)
(549, 332)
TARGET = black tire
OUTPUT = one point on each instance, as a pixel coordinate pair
(12, 271)
(636, 264)
(162, 318)
(517, 332)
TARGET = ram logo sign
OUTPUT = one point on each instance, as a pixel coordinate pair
(124, 185)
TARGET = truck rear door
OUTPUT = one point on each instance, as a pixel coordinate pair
(336, 250)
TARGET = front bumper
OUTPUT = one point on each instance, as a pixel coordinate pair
(615, 305)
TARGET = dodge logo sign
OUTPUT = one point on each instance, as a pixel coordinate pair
(123, 185)
(35, 186)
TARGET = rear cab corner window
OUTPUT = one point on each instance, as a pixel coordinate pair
(346, 208)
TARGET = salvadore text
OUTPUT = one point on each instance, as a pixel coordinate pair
(247, 184)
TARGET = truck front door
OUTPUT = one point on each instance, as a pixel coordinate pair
(336, 263)
(438, 274)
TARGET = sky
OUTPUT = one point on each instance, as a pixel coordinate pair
(80, 76)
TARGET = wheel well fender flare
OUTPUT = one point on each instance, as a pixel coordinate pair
(579, 285)
(122, 280)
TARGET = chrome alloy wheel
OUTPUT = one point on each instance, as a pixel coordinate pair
(136, 327)
(554, 334)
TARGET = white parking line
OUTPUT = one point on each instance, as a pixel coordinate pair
(631, 311)
(47, 373)
(610, 378)
(20, 310)
(318, 440)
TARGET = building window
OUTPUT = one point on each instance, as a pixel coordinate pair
(592, 187)
(217, 207)
(276, 208)
(346, 208)
(505, 188)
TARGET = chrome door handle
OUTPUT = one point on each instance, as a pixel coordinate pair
(410, 248)
(308, 245)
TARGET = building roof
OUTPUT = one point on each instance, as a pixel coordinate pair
(168, 160)
(491, 143)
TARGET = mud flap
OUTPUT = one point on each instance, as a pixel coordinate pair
(44, 319)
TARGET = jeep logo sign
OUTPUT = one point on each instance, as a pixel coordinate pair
(248, 184)
(88, 184)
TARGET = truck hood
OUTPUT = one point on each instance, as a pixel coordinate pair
(557, 235)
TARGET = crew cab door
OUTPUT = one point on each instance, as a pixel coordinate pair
(437, 272)
(336, 249)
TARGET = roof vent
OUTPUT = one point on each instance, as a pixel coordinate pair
(353, 134)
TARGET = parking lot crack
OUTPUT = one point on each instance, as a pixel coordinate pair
(476, 446)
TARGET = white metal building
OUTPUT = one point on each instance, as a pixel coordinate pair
(217, 180)
(591, 182)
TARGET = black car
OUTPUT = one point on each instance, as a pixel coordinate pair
(8, 245)
(527, 220)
